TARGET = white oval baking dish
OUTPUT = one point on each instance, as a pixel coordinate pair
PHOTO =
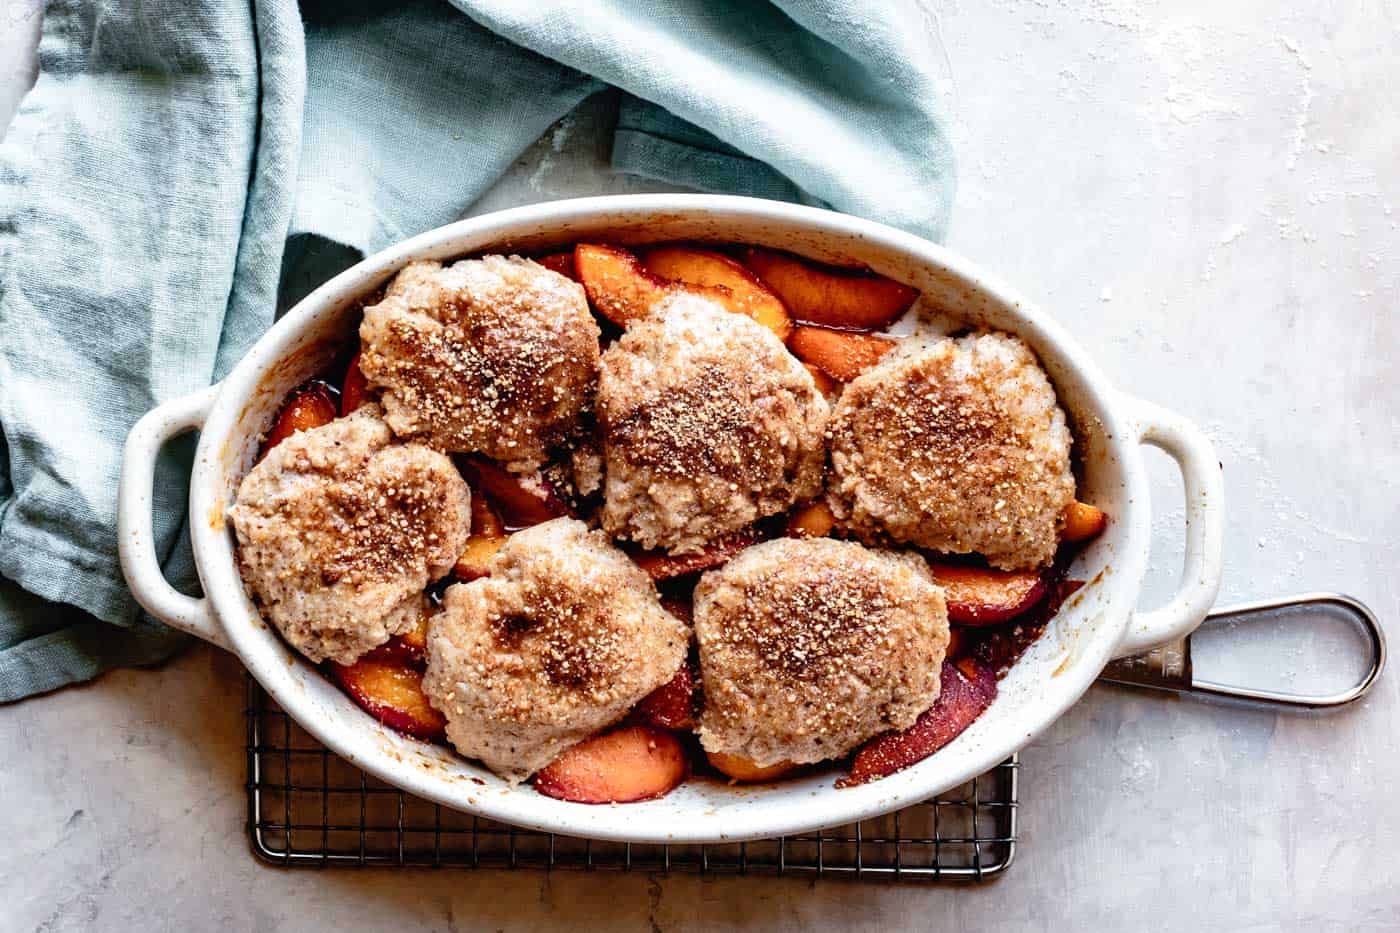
(1098, 624)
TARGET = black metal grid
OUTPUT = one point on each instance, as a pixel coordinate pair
(308, 808)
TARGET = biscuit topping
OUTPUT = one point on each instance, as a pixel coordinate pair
(340, 530)
(495, 355)
(702, 426)
(561, 640)
(959, 447)
(813, 622)
(707, 425)
(380, 528)
(810, 646)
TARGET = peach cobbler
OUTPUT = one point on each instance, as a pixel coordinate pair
(601, 518)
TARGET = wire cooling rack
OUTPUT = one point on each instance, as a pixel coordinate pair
(308, 808)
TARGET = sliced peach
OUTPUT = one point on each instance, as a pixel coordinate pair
(840, 354)
(618, 285)
(1000, 646)
(829, 296)
(354, 392)
(813, 520)
(627, 764)
(488, 534)
(663, 566)
(409, 648)
(485, 521)
(475, 561)
(968, 688)
(680, 607)
(391, 692)
(416, 638)
(311, 406)
(825, 384)
(623, 289)
(982, 596)
(671, 705)
(1082, 522)
(959, 643)
(743, 769)
(563, 263)
(724, 280)
(521, 503)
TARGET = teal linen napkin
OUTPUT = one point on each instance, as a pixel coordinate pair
(179, 161)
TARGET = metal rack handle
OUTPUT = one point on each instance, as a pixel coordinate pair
(1168, 667)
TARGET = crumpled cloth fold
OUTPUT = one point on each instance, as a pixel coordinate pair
(176, 158)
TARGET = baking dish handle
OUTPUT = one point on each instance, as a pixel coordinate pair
(135, 525)
(1205, 528)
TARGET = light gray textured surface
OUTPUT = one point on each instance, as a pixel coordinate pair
(1206, 196)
